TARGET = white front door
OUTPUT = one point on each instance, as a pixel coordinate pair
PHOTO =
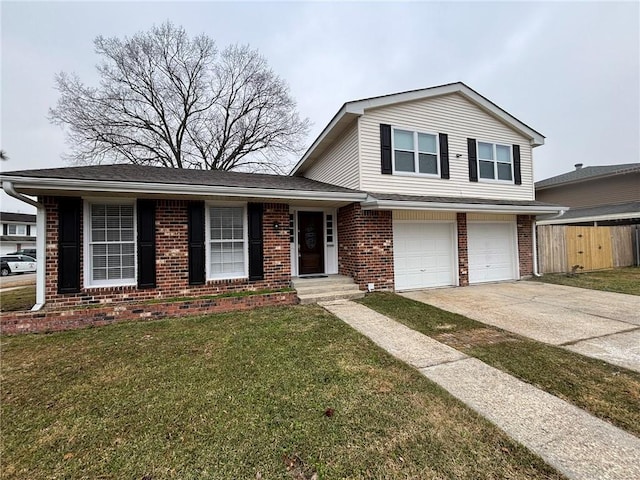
(492, 252)
(423, 255)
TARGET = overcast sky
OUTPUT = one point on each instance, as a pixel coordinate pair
(569, 70)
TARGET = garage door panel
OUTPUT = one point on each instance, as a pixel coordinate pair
(491, 248)
(423, 255)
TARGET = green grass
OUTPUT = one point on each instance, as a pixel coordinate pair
(22, 298)
(607, 391)
(230, 395)
(620, 280)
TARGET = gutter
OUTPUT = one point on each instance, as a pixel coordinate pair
(372, 204)
(178, 189)
(41, 220)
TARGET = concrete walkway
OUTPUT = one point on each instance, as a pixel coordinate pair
(602, 325)
(573, 441)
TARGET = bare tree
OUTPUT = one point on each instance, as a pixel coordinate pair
(3, 155)
(169, 100)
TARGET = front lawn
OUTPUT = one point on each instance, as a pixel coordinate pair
(20, 298)
(272, 393)
(607, 391)
(619, 280)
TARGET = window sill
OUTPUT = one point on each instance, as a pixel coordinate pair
(500, 182)
(413, 174)
(225, 278)
(96, 286)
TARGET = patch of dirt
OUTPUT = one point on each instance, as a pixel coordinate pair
(475, 337)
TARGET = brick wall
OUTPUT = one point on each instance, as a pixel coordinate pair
(525, 244)
(172, 271)
(365, 250)
(463, 251)
(81, 317)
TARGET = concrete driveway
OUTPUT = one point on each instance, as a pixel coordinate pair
(599, 324)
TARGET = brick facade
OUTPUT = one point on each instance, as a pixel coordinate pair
(463, 251)
(525, 244)
(365, 246)
(57, 320)
(172, 273)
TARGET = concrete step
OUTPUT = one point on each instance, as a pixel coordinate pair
(302, 282)
(331, 287)
(306, 299)
(326, 287)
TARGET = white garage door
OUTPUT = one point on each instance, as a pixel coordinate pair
(492, 252)
(423, 255)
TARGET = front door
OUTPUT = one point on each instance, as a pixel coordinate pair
(310, 243)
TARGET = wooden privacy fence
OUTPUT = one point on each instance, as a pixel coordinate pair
(562, 247)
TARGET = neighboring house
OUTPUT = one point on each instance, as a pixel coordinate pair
(426, 188)
(18, 232)
(601, 195)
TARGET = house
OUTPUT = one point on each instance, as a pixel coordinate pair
(18, 232)
(603, 195)
(426, 188)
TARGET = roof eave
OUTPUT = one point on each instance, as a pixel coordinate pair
(32, 186)
(591, 218)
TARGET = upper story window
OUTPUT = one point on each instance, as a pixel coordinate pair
(495, 161)
(415, 152)
(111, 244)
(329, 228)
(227, 242)
(13, 229)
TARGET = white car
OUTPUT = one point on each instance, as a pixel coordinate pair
(17, 264)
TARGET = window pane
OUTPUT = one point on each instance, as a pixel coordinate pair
(402, 140)
(427, 143)
(504, 171)
(428, 163)
(98, 210)
(12, 229)
(98, 235)
(404, 162)
(503, 154)
(486, 170)
(485, 151)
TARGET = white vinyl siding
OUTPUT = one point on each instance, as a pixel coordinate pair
(227, 243)
(338, 165)
(111, 244)
(460, 119)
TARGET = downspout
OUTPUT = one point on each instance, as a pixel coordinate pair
(534, 225)
(41, 221)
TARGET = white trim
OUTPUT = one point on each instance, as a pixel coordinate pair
(245, 240)
(358, 107)
(136, 188)
(416, 153)
(87, 260)
(594, 218)
(374, 204)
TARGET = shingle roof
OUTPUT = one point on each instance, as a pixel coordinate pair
(603, 210)
(479, 201)
(179, 176)
(588, 173)
(17, 217)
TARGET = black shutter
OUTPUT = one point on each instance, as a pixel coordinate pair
(28, 230)
(385, 149)
(444, 155)
(256, 259)
(517, 176)
(196, 243)
(473, 159)
(69, 212)
(4, 229)
(146, 210)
